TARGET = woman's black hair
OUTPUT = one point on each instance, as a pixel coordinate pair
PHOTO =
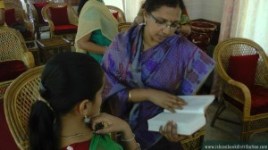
(152, 5)
(67, 79)
(80, 6)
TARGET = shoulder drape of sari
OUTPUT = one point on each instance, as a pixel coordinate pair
(175, 65)
(95, 16)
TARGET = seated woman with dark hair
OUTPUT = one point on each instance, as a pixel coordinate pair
(68, 116)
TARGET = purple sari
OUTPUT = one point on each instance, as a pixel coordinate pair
(175, 65)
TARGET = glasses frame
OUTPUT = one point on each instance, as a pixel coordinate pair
(165, 24)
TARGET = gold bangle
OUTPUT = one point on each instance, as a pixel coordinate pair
(130, 139)
(129, 95)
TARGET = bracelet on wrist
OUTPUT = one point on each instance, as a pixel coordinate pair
(129, 139)
(138, 146)
(129, 95)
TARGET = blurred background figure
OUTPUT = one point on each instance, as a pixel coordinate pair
(96, 28)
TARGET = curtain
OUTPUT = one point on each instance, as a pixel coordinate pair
(252, 22)
(246, 18)
(131, 9)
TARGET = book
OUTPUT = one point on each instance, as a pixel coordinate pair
(189, 119)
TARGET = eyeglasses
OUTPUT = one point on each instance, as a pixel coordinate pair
(164, 23)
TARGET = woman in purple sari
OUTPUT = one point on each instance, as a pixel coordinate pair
(147, 66)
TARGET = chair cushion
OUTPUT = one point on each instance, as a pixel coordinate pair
(65, 29)
(116, 15)
(11, 69)
(59, 15)
(10, 17)
(243, 68)
(259, 96)
(259, 100)
(38, 6)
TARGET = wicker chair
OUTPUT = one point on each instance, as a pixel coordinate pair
(61, 25)
(118, 13)
(39, 24)
(20, 18)
(195, 141)
(13, 47)
(250, 102)
(18, 99)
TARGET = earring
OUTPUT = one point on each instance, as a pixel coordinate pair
(144, 21)
(86, 119)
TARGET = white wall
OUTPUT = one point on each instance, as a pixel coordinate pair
(117, 3)
(205, 9)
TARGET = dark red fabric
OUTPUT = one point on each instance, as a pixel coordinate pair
(259, 100)
(59, 15)
(10, 17)
(11, 69)
(79, 146)
(38, 6)
(116, 15)
(6, 139)
(259, 96)
(63, 29)
(243, 68)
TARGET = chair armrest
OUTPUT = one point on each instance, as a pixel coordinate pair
(28, 59)
(240, 93)
(237, 90)
(48, 20)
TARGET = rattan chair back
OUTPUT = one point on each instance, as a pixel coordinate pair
(240, 47)
(18, 100)
(13, 47)
(121, 14)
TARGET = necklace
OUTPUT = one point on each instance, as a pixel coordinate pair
(65, 137)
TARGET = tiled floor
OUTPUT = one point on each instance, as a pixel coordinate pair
(224, 131)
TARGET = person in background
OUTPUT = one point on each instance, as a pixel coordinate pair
(2, 13)
(96, 28)
(147, 67)
(68, 115)
(185, 26)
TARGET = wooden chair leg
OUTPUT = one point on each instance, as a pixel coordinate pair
(219, 110)
(245, 136)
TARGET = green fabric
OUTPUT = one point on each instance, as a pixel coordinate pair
(98, 38)
(103, 142)
(95, 16)
(184, 19)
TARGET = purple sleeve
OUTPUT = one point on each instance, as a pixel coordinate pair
(198, 67)
(115, 93)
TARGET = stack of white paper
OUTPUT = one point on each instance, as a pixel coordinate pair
(189, 119)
